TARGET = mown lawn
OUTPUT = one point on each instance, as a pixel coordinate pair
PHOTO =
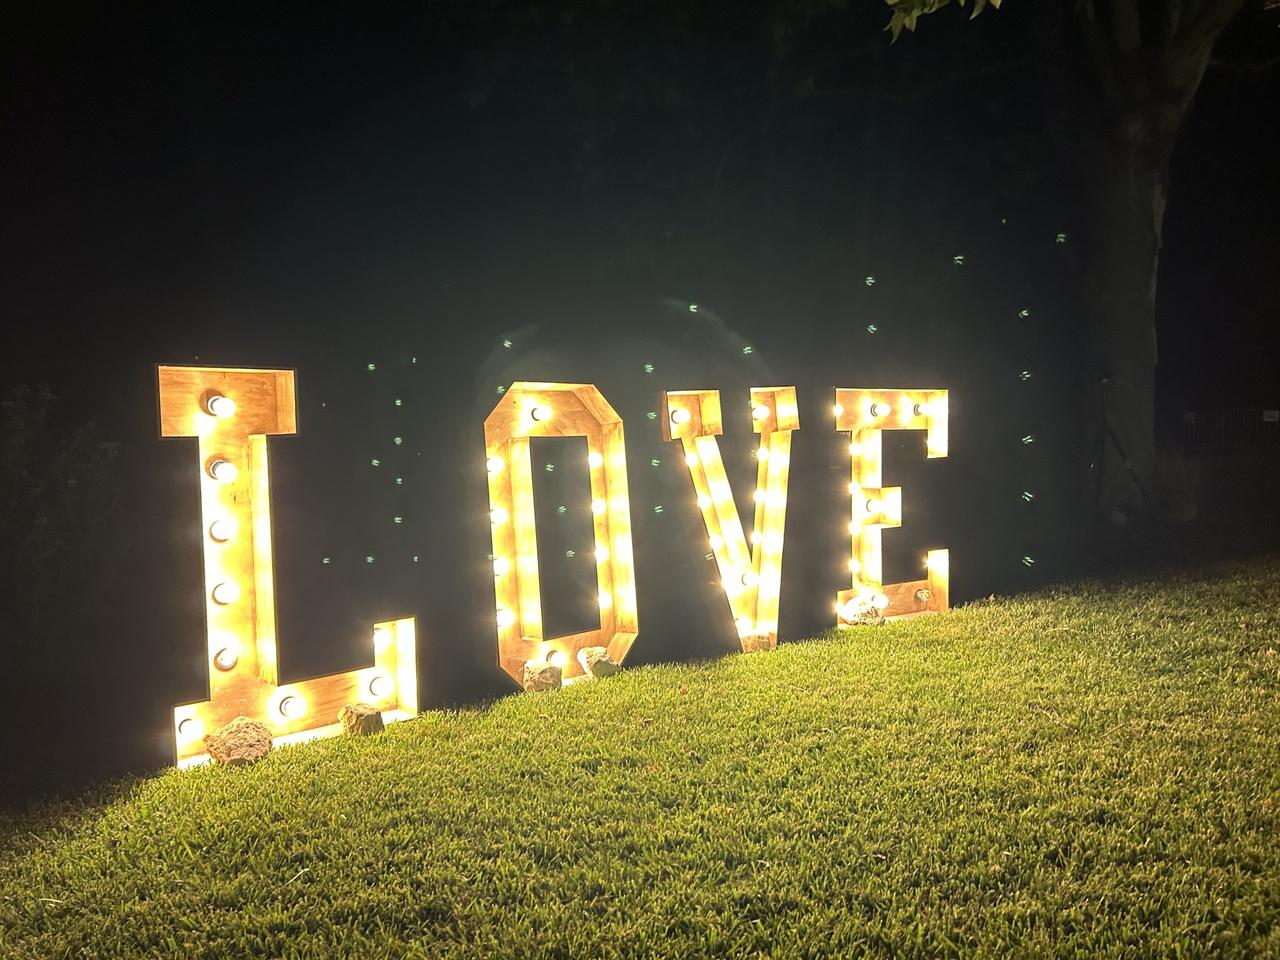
(1088, 772)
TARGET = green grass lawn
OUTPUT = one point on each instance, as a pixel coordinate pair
(1088, 772)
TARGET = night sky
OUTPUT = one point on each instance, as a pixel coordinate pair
(413, 188)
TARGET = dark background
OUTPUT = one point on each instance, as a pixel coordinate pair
(326, 189)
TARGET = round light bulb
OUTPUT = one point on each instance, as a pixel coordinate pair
(381, 640)
(220, 406)
(680, 415)
(224, 471)
(602, 553)
(704, 501)
(595, 459)
(760, 412)
(559, 659)
(222, 529)
(762, 453)
(854, 564)
(880, 601)
(379, 687)
(190, 729)
(755, 536)
(292, 707)
(759, 496)
(855, 449)
(874, 505)
(716, 541)
(855, 527)
(494, 464)
(225, 592)
(501, 566)
(750, 578)
(691, 459)
(744, 625)
(838, 409)
(597, 507)
(541, 413)
(498, 516)
(923, 409)
(605, 599)
(506, 618)
(881, 409)
(226, 658)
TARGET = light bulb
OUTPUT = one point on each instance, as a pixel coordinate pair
(222, 529)
(881, 409)
(855, 449)
(879, 601)
(381, 640)
(750, 578)
(224, 471)
(605, 599)
(680, 415)
(226, 658)
(541, 413)
(755, 536)
(854, 564)
(716, 541)
(838, 409)
(595, 459)
(558, 659)
(923, 409)
(379, 687)
(494, 464)
(744, 625)
(759, 495)
(220, 406)
(501, 566)
(190, 729)
(874, 505)
(602, 553)
(597, 507)
(762, 453)
(855, 527)
(225, 592)
(292, 707)
(760, 412)
(704, 501)
(505, 618)
(691, 459)
(498, 516)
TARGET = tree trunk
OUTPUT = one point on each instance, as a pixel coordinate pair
(1120, 349)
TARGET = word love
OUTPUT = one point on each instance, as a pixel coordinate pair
(232, 412)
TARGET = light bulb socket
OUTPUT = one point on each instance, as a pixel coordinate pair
(219, 405)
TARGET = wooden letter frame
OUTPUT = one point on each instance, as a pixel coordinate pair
(241, 635)
(860, 411)
(529, 410)
(750, 573)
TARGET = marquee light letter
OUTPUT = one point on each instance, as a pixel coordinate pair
(751, 575)
(232, 412)
(867, 414)
(530, 410)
